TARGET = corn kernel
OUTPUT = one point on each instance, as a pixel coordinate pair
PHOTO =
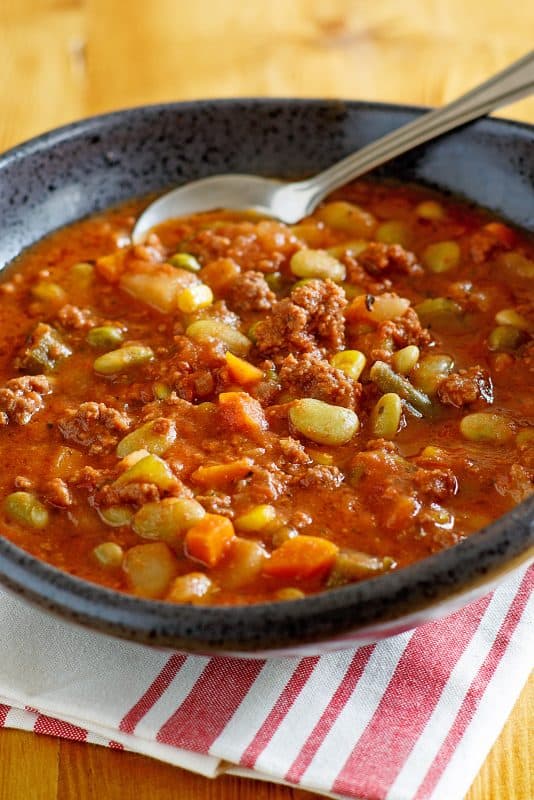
(194, 298)
(350, 362)
(256, 519)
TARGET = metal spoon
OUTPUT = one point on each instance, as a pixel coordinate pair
(289, 202)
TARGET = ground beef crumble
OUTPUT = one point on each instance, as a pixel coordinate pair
(440, 483)
(73, 318)
(21, 398)
(57, 493)
(250, 292)
(465, 387)
(313, 376)
(310, 318)
(378, 258)
(95, 426)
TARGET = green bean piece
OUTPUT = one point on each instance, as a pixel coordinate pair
(275, 281)
(185, 261)
(388, 381)
(105, 336)
(323, 423)
(155, 436)
(109, 555)
(166, 519)
(26, 509)
(386, 416)
(505, 338)
(116, 361)
(483, 427)
(46, 349)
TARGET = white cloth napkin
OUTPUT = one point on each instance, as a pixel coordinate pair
(410, 718)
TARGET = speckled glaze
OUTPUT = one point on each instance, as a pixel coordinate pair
(81, 168)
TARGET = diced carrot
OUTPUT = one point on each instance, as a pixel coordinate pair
(208, 539)
(219, 475)
(302, 557)
(241, 412)
(502, 233)
(241, 371)
(111, 267)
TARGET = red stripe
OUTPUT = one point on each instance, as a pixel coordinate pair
(56, 727)
(478, 687)
(330, 714)
(159, 685)
(407, 703)
(113, 745)
(278, 712)
(4, 711)
(210, 704)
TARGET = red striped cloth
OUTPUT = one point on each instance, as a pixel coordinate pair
(408, 718)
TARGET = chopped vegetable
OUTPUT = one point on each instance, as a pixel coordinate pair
(208, 540)
(150, 469)
(189, 588)
(241, 371)
(442, 256)
(323, 423)
(347, 217)
(388, 381)
(210, 329)
(256, 519)
(404, 360)
(302, 558)
(155, 436)
(241, 412)
(350, 362)
(109, 554)
(386, 416)
(26, 509)
(484, 427)
(166, 519)
(105, 336)
(116, 361)
(218, 475)
(149, 568)
(185, 261)
(317, 264)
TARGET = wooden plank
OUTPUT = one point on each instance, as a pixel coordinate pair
(411, 52)
(29, 766)
(41, 68)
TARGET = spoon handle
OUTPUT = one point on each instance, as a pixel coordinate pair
(510, 84)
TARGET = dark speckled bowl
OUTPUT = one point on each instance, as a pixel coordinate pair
(84, 167)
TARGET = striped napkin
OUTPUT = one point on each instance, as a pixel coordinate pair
(409, 718)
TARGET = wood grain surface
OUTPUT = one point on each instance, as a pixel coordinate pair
(64, 59)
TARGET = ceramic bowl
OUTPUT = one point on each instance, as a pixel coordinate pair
(90, 165)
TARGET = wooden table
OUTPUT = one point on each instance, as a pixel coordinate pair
(65, 59)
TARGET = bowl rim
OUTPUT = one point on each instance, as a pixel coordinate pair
(443, 575)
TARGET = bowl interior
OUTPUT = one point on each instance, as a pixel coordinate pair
(88, 166)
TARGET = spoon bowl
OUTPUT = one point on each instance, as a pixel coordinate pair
(290, 202)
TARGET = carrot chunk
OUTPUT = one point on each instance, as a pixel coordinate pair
(219, 475)
(302, 557)
(242, 413)
(208, 539)
(505, 235)
(241, 371)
